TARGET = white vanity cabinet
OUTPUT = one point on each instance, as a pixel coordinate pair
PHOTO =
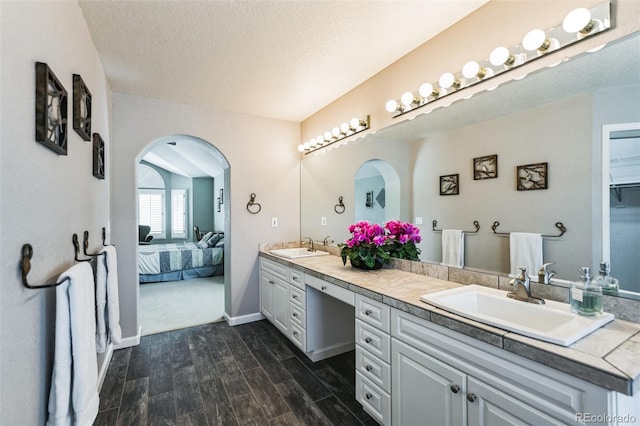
(440, 377)
(274, 293)
(373, 358)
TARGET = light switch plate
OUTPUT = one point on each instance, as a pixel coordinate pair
(323, 221)
(418, 220)
(274, 222)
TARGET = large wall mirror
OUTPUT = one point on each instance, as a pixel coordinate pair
(552, 116)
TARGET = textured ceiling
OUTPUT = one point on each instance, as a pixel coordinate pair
(278, 59)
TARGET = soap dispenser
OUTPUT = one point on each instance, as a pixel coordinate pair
(608, 283)
(586, 295)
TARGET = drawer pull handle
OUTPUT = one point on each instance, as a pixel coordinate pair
(472, 397)
(368, 368)
(324, 287)
(271, 282)
(368, 395)
(295, 314)
(368, 312)
(295, 333)
(295, 278)
(367, 340)
(295, 296)
(455, 388)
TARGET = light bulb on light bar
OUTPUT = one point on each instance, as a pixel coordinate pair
(344, 128)
(307, 145)
(392, 106)
(408, 99)
(473, 69)
(301, 148)
(501, 56)
(335, 132)
(578, 21)
(427, 90)
(448, 80)
(537, 40)
(313, 142)
(354, 123)
(327, 136)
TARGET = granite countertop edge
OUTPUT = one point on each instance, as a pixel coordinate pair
(612, 379)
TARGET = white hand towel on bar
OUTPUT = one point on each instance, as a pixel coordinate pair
(453, 248)
(525, 251)
(73, 398)
(107, 302)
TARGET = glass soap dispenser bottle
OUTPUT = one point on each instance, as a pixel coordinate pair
(609, 284)
(586, 295)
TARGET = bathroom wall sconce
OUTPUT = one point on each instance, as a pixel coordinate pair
(577, 25)
(356, 125)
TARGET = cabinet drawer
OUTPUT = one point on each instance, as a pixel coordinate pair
(296, 278)
(373, 368)
(332, 290)
(297, 297)
(297, 315)
(373, 340)
(298, 336)
(374, 400)
(275, 269)
(373, 313)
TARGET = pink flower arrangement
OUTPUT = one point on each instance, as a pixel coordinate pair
(373, 245)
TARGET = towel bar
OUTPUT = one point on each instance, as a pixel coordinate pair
(85, 246)
(25, 266)
(558, 225)
(476, 224)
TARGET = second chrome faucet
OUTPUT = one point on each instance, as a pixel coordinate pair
(522, 288)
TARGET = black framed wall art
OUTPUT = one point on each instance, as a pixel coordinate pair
(485, 167)
(51, 110)
(449, 184)
(81, 108)
(532, 176)
(98, 156)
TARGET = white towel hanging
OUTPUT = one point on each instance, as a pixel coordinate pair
(453, 248)
(525, 251)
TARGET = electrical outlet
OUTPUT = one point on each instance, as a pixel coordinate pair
(418, 220)
(274, 222)
(323, 221)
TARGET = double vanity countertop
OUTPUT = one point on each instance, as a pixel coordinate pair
(608, 357)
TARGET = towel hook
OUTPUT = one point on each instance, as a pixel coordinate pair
(251, 203)
(85, 246)
(476, 224)
(339, 208)
(558, 225)
(76, 246)
(25, 266)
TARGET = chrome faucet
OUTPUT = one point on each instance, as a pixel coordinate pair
(522, 288)
(327, 240)
(544, 275)
(312, 248)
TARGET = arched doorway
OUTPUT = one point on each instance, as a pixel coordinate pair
(377, 192)
(182, 260)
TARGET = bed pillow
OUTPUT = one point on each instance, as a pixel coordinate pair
(203, 241)
(214, 240)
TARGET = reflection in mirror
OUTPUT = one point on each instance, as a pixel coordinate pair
(621, 200)
(377, 189)
(554, 115)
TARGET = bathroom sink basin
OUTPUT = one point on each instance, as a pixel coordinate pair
(294, 253)
(552, 322)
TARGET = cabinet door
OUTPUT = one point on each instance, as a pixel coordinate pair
(424, 390)
(281, 305)
(267, 283)
(490, 407)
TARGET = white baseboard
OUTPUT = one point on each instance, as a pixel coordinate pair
(330, 351)
(243, 319)
(129, 341)
(102, 373)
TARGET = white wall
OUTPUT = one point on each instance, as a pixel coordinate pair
(44, 197)
(263, 159)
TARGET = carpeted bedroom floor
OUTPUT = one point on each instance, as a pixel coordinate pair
(179, 304)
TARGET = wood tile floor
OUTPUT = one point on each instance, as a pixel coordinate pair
(215, 374)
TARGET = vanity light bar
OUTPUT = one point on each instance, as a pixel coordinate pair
(579, 24)
(356, 125)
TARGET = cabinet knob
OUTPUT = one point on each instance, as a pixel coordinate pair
(295, 278)
(368, 368)
(324, 287)
(368, 395)
(368, 312)
(295, 296)
(455, 388)
(271, 282)
(367, 340)
(472, 397)
(295, 314)
(295, 333)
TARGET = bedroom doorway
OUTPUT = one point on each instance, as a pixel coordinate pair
(182, 212)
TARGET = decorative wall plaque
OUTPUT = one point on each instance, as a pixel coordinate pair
(449, 185)
(81, 108)
(531, 176)
(98, 156)
(51, 110)
(485, 167)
